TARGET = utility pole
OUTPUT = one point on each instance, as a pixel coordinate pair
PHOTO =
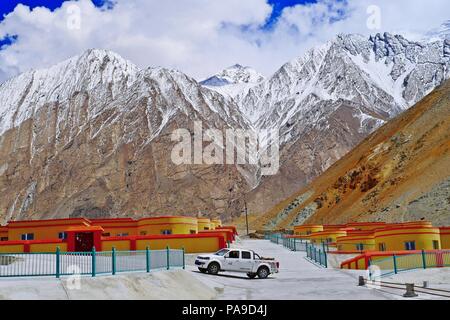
(246, 215)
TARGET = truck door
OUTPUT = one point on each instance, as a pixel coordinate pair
(246, 262)
(231, 262)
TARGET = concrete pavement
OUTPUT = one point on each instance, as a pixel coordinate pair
(297, 279)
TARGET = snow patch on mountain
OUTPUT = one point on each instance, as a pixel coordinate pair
(440, 33)
(233, 81)
(377, 77)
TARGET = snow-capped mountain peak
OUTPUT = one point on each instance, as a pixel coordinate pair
(235, 74)
(440, 33)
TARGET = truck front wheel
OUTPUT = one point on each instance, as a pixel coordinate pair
(213, 268)
(263, 272)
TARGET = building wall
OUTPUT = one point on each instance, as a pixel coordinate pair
(176, 225)
(217, 222)
(42, 230)
(191, 245)
(330, 227)
(3, 233)
(426, 224)
(227, 234)
(326, 236)
(445, 237)
(48, 247)
(121, 245)
(395, 238)
(349, 243)
(114, 227)
(205, 224)
(11, 248)
(307, 229)
(364, 226)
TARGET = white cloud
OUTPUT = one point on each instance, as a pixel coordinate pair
(199, 37)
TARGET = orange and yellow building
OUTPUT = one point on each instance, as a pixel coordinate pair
(376, 240)
(377, 236)
(81, 234)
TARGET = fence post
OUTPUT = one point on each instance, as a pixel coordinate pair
(325, 259)
(168, 259)
(147, 258)
(57, 262)
(295, 244)
(113, 256)
(323, 246)
(184, 261)
(320, 257)
(395, 263)
(93, 261)
(424, 261)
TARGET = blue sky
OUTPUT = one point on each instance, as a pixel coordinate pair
(7, 7)
(279, 5)
(198, 37)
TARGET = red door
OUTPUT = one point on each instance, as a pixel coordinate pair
(84, 241)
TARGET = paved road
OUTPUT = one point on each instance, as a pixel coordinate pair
(298, 279)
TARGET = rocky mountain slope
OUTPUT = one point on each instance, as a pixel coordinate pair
(92, 135)
(398, 173)
(327, 101)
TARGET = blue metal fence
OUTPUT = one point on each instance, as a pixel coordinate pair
(275, 238)
(316, 255)
(295, 244)
(88, 263)
(398, 263)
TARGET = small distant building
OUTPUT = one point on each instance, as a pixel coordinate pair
(327, 237)
(205, 224)
(377, 236)
(307, 229)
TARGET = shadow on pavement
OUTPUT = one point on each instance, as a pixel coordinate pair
(230, 276)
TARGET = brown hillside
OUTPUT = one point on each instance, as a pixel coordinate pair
(400, 172)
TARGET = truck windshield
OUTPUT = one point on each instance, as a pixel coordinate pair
(221, 252)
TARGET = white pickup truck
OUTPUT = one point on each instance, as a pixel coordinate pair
(237, 260)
